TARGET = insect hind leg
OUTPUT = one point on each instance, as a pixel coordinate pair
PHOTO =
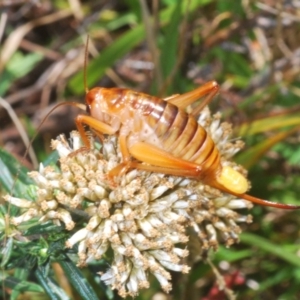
(161, 161)
(209, 89)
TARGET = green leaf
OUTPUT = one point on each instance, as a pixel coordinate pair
(274, 249)
(232, 255)
(25, 286)
(6, 251)
(249, 157)
(18, 66)
(51, 159)
(119, 21)
(268, 123)
(10, 168)
(19, 286)
(48, 227)
(98, 66)
(169, 48)
(78, 280)
(53, 290)
(277, 278)
(120, 47)
(289, 151)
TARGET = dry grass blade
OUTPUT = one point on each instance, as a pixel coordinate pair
(75, 5)
(32, 47)
(3, 21)
(13, 41)
(21, 130)
(52, 76)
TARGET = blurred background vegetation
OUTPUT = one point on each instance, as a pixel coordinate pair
(252, 48)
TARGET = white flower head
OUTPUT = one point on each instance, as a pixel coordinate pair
(142, 217)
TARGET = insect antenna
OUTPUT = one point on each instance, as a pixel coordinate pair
(86, 56)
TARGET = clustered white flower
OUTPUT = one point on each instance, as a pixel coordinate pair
(141, 216)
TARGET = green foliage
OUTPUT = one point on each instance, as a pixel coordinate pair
(10, 167)
(14, 71)
(263, 109)
(45, 244)
(124, 44)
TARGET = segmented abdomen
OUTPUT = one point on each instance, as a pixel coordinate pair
(178, 132)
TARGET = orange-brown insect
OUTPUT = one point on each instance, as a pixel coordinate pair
(161, 134)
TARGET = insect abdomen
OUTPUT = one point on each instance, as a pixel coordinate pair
(181, 135)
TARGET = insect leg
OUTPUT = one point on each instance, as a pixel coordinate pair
(94, 124)
(210, 89)
(124, 166)
(171, 97)
(162, 161)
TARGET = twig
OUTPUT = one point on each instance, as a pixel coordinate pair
(221, 282)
